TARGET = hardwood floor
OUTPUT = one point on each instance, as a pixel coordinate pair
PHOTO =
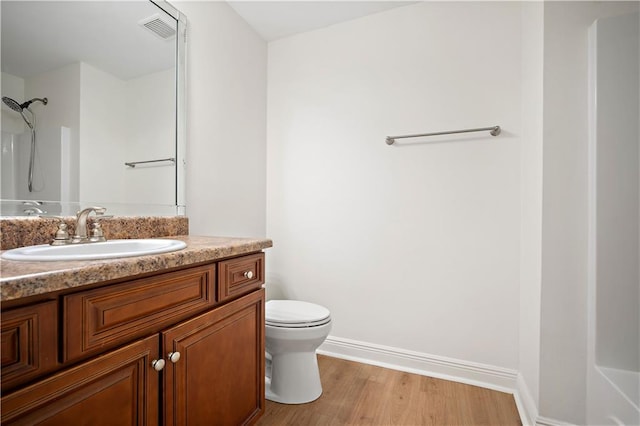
(361, 394)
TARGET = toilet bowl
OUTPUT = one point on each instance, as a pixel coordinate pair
(294, 330)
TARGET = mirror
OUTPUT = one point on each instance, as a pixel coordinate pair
(93, 107)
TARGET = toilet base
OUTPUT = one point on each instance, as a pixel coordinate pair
(298, 383)
(277, 398)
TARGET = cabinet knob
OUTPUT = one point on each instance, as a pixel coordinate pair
(248, 274)
(158, 364)
(173, 356)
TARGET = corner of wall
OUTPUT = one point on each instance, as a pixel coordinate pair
(527, 407)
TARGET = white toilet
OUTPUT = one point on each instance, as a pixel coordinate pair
(294, 330)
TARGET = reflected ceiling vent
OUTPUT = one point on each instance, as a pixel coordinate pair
(159, 27)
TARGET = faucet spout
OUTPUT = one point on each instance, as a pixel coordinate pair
(81, 223)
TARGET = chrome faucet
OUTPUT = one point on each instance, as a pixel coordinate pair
(81, 224)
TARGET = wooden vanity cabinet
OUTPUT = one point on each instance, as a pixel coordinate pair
(213, 361)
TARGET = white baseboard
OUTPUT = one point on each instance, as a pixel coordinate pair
(486, 376)
(527, 406)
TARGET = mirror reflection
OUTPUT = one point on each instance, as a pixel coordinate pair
(89, 104)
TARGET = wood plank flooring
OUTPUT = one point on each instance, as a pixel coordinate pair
(361, 394)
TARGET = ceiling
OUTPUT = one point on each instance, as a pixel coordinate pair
(277, 19)
(39, 36)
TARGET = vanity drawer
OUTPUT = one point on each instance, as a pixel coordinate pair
(240, 276)
(108, 316)
(29, 342)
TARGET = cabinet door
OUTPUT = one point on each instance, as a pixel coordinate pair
(29, 343)
(219, 378)
(118, 388)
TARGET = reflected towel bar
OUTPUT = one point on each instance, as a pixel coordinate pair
(133, 163)
(494, 130)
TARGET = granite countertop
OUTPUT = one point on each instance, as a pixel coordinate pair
(23, 279)
(31, 231)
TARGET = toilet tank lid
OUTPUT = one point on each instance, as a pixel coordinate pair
(294, 312)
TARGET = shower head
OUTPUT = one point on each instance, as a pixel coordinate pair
(14, 105)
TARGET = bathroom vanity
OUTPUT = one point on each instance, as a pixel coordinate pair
(172, 339)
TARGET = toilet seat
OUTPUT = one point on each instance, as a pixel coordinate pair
(295, 314)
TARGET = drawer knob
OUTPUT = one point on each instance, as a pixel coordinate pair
(248, 274)
(158, 364)
(173, 356)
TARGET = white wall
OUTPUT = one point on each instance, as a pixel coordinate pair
(564, 233)
(226, 98)
(414, 246)
(103, 135)
(150, 135)
(8, 167)
(62, 89)
(12, 87)
(12, 126)
(119, 123)
(531, 202)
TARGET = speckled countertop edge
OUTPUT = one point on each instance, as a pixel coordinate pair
(23, 279)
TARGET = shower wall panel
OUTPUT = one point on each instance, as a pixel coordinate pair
(617, 187)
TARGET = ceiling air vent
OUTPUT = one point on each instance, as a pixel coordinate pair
(158, 27)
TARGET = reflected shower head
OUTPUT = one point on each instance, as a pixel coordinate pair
(14, 105)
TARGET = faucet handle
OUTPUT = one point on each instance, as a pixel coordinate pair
(97, 236)
(62, 236)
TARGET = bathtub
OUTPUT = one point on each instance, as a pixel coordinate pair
(614, 396)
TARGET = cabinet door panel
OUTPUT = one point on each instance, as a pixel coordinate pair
(119, 388)
(219, 378)
(29, 343)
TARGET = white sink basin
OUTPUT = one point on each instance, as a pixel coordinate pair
(93, 251)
